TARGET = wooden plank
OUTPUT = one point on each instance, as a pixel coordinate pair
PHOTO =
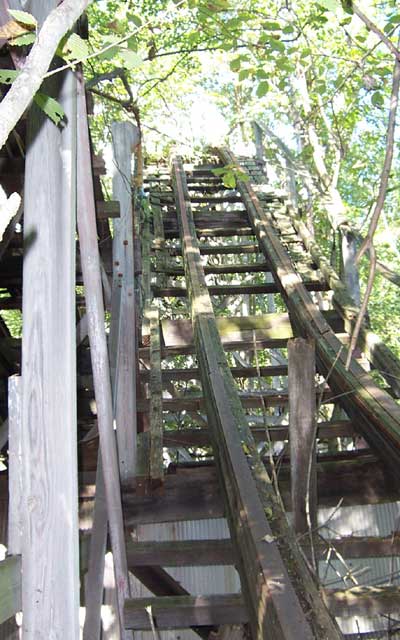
(364, 601)
(217, 269)
(181, 553)
(99, 352)
(201, 437)
(107, 209)
(123, 312)
(10, 587)
(233, 289)
(240, 471)
(249, 400)
(15, 470)
(181, 612)
(161, 583)
(302, 434)
(96, 561)
(156, 466)
(363, 547)
(377, 414)
(50, 478)
(191, 496)
(222, 249)
(193, 373)
(269, 325)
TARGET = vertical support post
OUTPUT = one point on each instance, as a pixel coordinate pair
(351, 275)
(95, 574)
(49, 430)
(123, 339)
(99, 354)
(301, 374)
(156, 415)
(15, 487)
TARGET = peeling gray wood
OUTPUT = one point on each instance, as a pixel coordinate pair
(50, 477)
(95, 574)
(15, 462)
(123, 339)
(99, 353)
(10, 587)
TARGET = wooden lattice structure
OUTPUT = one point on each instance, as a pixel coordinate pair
(94, 393)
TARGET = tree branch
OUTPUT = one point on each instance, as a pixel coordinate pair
(18, 98)
(371, 26)
(368, 244)
(380, 201)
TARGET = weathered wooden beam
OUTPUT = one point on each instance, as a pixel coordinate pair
(302, 432)
(162, 584)
(107, 209)
(181, 553)
(364, 601)
(156, 466)
(94, 579)
(249, 400)
(181, 612)
(15, 466)
(269, 326)
(191, 496)
(233, 289)
(99, 353)
(193, 373)
(10, 587)
(50, 478)
(247, 488)
(202, 437)
(123, 308)
(217, 269)
(363, 547)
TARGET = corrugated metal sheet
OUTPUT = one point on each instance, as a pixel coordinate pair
(363, 520)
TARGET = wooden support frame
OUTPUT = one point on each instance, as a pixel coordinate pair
(156, 467)
(374, 410)
(10, 587)
(123, 307)
(49, 445)
(241, 471)
(99, 353)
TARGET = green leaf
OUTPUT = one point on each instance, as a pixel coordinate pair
(235, 64)
(229, 180)
(329, 5)
(348, 6)
(262, 89)
(377, 99)
(74, 47)
(7, 76)
(135, 19)
(131, 59)
(24, 39)
(23, 17)
(272, 26)
(51, 107)
(109, 54)
(243, 74)
(277, 45)
(261, 74)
